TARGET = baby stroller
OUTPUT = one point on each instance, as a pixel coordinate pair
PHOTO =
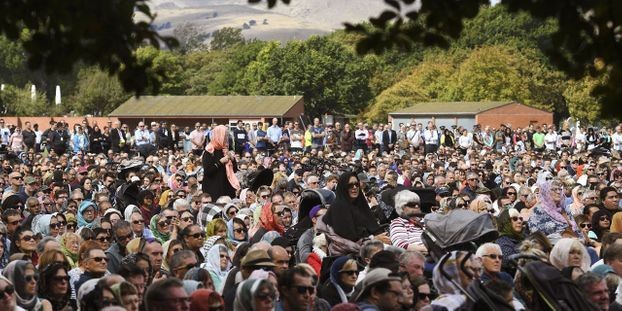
(458, 230)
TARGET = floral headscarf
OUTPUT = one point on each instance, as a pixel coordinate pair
(153, 225)
(546, 201)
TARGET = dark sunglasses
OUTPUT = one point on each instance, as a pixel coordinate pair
(198, 235)
(603, 218)
(99, 259)
(585, 225)
(423, 296)
(71, 226)
(494, 256)
(511, 193)
(350, 272)
(186, 219)
(27, 238)
(138, 222)
(305, 289)
(56, 226)
(516, 218)
(8, 290)
(354, 185)
(103, 239)
(265, 296)
(30, 278)
(60, 279)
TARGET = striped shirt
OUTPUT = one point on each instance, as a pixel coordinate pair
(404, 233)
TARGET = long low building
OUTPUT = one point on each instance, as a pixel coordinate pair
(186, 110)
(467, 114)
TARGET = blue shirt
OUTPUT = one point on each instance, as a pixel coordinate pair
(275, 133)
(319, 140)
(261, 143)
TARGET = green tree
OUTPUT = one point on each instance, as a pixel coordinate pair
(166, 65)
(226, 38)
(581, 103)
(427, 81)
(19, 102)
(97, 93)
(332, 79)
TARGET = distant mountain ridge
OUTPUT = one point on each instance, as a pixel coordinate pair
(299, 20)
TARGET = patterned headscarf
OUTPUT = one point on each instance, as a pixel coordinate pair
(545, 200)
(153, 225)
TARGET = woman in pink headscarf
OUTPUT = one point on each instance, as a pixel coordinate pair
(219, 166)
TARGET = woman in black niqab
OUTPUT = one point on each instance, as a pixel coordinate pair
(349, 216)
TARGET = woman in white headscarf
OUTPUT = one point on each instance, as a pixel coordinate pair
(218, 263)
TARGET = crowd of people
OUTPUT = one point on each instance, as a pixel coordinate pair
(261, 217)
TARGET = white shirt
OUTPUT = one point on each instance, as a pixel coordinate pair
(361, 134)
(431, 137)
(550, 141)
(616, 140)
(465, 142)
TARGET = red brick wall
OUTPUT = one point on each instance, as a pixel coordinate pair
(44, 122)
(518, 115)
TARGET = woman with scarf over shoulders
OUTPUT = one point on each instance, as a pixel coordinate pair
(219, 166)
(349, 221)
(340, 286)
(24, 277)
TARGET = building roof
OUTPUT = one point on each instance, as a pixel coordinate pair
(212, 106)
(449, 108)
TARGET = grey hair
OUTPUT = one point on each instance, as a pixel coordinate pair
(481, 250)
(180, 202)
(588, 279)
(179, 257)
(369, 247)
(402, 198)
(407, 256)
(41, 244)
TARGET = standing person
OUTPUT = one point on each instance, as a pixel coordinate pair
(240, 137)
(29, 136)
(296, 138)
(431, 138)
(317, 135)
(197, 138)
(389, 138)
(346, 138)
(274, 134)
(361, 135)
(117, 137)
(16, 141)
(219, 166)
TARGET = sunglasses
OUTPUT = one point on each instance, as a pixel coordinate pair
(99, 259)
(103, 239)
(164, 223)
(423, 296)
(198, 235)
(27, 238)
(494, 256)
(71, 226)
(56, 225)
(516, 218)
(511, 193)
(187, 219)
(8, 290)
(60, 279)
(354, 185)
(30, 278)
(225, 256)
(350, 272)
(603, 218)
(265, 296)
(138, 222)
(586, 225)
(305, 289)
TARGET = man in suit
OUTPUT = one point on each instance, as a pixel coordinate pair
(117, 136)
(163, 134)
(173, 137)
(389, 138)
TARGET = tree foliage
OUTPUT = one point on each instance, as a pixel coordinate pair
(19, 101)
(190, 38)
(331, 78)
(226, 38)
(97, 93)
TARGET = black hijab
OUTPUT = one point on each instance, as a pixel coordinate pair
(352, 220)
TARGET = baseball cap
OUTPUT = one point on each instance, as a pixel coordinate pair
(442, 190)
(28, 180)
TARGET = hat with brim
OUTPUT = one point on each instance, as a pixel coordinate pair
(257, 258)
(375, 276)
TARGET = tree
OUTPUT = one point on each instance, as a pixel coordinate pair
(226, 38)
(97, 93)
(581, 103)
(332, 79)
(189, 37)
(19, 102)
(587, 32)
(60, 34)
(166, 65)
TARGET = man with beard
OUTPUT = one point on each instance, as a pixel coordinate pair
(405, 230)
